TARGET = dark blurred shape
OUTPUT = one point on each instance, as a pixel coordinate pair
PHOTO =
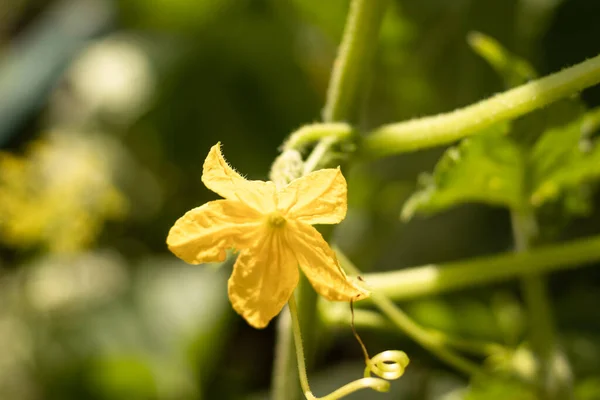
(38, 57)
(572, 38)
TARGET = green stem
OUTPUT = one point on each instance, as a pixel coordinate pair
(318, 153)
(354, 58)
(299, 347)
(434, 279)
(429, 340)
(541, 325)
(368, 319)
(284, 368)
(448, 127)
(314, 132)
(337, 314)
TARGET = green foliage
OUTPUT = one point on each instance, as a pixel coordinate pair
(541, 160)
(563, 159)
(499, 389)
(494, 168)
(589, 389)
(487, 168)
(122, 378)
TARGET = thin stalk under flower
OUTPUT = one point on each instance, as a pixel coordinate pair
(388, 365)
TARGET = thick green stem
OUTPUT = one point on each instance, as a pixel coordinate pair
(350, 67)
(434, 279)
(428, 339)
(354, 58)
(446, 128)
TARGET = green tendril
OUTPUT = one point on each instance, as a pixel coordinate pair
(388, 365)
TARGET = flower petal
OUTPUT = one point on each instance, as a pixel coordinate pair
(219, 177)
(317, 198)
(320, 265)
(263, 279)
(204, 233)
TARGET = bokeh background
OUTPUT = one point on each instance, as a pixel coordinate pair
(107, 110)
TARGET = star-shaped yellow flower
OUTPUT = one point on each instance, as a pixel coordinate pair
(271, 227)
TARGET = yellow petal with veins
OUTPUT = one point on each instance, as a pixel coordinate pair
(272, 229)
(219, 177)
(317, 198)
(263, 279)
(320, 265)
(204, 233)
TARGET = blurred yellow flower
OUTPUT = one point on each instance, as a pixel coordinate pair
(59, 193)
(271, 227)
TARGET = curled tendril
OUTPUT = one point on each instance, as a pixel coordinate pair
(387, 365)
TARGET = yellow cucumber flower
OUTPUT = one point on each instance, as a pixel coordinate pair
(271, 228)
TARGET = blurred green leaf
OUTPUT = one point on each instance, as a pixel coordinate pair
(175, 15)
(588, 389)
(498, 389)
(562, 160)
(509, 316)
(542, 163)
(123, 378)
(328, 16)
(496, 169)
(486, 168)
(462, 317)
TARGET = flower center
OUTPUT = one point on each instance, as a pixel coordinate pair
(276, 220)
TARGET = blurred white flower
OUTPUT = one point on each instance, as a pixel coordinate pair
(71, 282)
(115, 77)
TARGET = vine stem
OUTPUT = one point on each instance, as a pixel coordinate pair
(283, 362)
(353, 59)
(541, 325)
(426, 338)
(314, 132)
(429, 280)
(446, 128)
(369, 319)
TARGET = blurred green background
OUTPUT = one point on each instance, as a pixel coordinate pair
(107, 110)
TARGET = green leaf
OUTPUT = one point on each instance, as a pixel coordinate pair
(544, 162)
(588, 389)
(499, 389)
(327, 16)
(485, 169)
(123, 377)
(564, 159)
